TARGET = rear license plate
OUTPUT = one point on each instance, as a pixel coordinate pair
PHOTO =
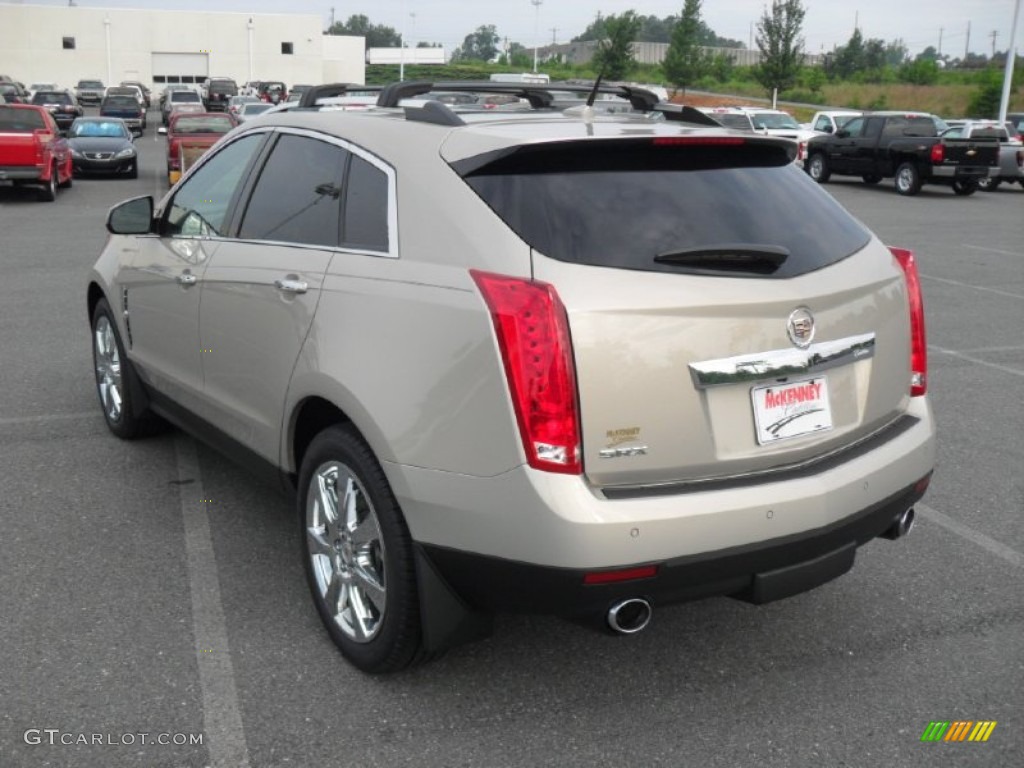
(782, 411)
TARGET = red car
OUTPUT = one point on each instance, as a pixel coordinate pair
(189, 135)
(32, 151)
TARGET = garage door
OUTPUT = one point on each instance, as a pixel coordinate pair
(180, 67)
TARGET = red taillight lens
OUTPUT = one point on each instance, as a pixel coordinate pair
(627, 574)
(533, 336)
(938, 154)
(918, 342)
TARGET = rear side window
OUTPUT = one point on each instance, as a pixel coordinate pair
(297, 198)
(624, 203)
(20, 120)
(366, 207)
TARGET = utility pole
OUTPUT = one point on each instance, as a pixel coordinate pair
(332, 19)
(994, 34)
(1011, 57)
(856, 20)
(536, 31)
(941, 30)
(967, 45)
(554, 32)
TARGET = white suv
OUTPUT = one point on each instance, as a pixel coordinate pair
(567, 362)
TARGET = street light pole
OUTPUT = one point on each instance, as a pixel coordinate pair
(536, 31)
(1011, 57)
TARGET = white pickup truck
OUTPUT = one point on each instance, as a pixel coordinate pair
(830, 121)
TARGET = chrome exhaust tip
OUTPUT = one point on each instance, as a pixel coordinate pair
(627, 617)
(901, 526)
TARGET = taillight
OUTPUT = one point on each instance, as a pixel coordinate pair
(533, 336)
(938, 154)
(918, 342)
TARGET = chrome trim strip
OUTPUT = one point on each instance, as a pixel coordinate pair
(782, 363)
(811, 466)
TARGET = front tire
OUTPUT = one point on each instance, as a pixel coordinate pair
(817, 168)
(117, 384)
(965, 188)
(358, 554)
(908, 179)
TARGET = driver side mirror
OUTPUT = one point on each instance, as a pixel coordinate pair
(132, 217)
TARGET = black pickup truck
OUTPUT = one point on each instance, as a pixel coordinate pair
(904, 146)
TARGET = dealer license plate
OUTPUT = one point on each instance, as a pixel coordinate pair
(782, 411)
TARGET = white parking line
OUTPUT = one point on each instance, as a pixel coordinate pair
(222, 722)
(991, 250)
(975, 287)
(13, 420)
(976, 360)
(987, 543)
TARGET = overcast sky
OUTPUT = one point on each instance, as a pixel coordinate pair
(828, 22)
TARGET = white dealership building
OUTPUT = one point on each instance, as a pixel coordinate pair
(64, 44)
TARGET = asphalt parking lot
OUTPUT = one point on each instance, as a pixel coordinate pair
(154, 588)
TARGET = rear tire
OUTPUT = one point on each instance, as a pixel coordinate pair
(908, 179)
(49, 191)
(358, 554)
(989, 184)
(965, 188)
(817, 168)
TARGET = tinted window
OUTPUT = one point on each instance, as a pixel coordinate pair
(51, 97)
(297, 198)
(200, 207)
(621, 204)
(366, 207)
(17, 120)
(854, 127)
(873, 127)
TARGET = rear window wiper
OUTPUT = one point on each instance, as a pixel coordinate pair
(749, 258)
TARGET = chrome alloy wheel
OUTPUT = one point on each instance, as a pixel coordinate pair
(344, 542)
(107, 360)
(905, 179)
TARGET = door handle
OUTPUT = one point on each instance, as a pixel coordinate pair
(290, 285)
(187, 278)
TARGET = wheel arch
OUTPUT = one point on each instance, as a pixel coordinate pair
(93, 296)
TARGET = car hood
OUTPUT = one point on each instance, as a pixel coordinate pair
(99, 144)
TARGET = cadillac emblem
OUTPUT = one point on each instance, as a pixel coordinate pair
(800, 327)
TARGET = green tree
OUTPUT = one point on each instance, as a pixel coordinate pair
(920, 72)
(780, 43)
(685, 62)
(984, 103)
(377, 35)
(850, 57)
(723, 67)
(481, 45)
(614, 56)
(896, 52)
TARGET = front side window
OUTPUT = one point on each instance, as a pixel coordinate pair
(297, 198)
(854, 127)
(201, 205)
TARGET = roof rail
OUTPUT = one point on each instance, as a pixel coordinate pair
(310, 97)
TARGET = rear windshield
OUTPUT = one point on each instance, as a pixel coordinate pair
(188, 124)
(185, 96)
(90, 84)
(124, 102)
(621, 204)
(740, 122)
(20, 120)
(51, 97)
(773, 120)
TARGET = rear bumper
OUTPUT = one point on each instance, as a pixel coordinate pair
(21, 173)
(963, 173)
(757, 573)
(492, 537)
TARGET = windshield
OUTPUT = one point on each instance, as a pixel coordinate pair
(98, 129)
(773, 120)
(90, 84)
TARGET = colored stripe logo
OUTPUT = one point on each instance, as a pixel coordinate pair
(958, 730)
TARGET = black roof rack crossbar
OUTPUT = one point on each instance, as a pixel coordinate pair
(539, 95)
(310, 97)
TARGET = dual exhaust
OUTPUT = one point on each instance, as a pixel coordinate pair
(901, 526)
(627, 617)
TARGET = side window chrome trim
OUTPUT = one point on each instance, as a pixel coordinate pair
(392, 177)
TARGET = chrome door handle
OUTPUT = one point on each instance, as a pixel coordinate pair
(187, 278)
(289, 285)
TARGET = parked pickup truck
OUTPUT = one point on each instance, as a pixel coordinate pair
(32, 150)
(830, 120)
(906, 147)
(189, 135)
(1011, 150)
